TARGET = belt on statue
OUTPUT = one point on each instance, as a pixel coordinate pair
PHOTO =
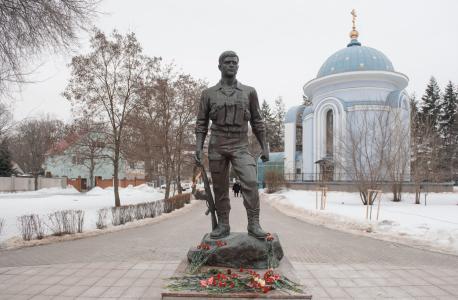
(228, 133)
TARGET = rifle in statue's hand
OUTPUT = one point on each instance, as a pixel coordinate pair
(209, 197)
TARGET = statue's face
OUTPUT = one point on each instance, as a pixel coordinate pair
(229, 66)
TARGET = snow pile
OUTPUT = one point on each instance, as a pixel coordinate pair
(434, 225)
(45, 201)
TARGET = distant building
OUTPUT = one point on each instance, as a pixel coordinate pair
(70, 158)
(352, 83)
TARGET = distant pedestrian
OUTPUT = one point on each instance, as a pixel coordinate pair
(236, 188)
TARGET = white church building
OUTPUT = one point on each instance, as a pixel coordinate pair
(353, 81)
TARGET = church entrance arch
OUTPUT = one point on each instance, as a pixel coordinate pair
(329, 133)
(328, 122)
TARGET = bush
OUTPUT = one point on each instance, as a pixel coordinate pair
(26, 226)
(2, 223)
(101, 218)
(66, 222)
(274, 181)
(127, 213)
(38, 227)
(122, 214)
(31, 226)
(176, 202)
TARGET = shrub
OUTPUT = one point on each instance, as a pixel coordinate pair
(2, 223)
(25, 224)
(141, 211)
(101, 218)
(176, 202)
(38, 227)
(274, 181)
(80, 220)
(31, 226)
(66, 222)
(127, 213)
(116, 216)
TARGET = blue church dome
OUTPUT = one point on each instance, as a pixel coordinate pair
(355, 58)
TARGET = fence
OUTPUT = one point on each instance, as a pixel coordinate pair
(21, 184)
(350, 177)
(104, 183)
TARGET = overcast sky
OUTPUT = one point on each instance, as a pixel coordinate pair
(281, 44)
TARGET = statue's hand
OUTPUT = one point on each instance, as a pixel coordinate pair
(264, 155)
(198, 157)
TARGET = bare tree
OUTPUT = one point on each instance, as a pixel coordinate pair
(31, 142)
(164, 121)
(364, 151)
(91, 145)
(141, 141)
(162, 97)
(188, 91)
(398, 153)
(105, 85)
(28, 28)
(375, 150)
(6, 121)
(426, 150)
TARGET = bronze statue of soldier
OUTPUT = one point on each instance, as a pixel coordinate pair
(230, 105)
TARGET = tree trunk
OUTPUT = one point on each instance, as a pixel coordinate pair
(116, 175)
(397, 189)
(91, 173)
(417, 194)
(35, 176)
(167, 188)
(148, 170)
(180, 190)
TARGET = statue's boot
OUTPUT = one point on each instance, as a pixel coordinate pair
(254, 229)
(222, 229)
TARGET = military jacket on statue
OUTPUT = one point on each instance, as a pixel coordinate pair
(230, 110)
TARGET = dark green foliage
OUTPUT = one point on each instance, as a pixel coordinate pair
(6, 165)
(430, 109)
(274, 121)
(277, 138)
(269, 122)
(448, 111)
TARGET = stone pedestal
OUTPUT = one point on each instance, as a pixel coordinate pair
(243, 250)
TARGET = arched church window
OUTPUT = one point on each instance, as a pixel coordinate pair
(299, 131)
(329, 133)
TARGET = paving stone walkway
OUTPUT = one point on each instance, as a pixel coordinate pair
(132, 264)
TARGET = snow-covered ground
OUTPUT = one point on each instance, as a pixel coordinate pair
(434, 225)
(45, 201)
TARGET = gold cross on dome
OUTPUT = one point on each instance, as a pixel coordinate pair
(353, 13)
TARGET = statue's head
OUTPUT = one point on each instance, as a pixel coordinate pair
(228, 64)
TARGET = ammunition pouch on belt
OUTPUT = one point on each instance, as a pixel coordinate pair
(230, 114)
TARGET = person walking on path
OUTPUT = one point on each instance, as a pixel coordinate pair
(236, 188)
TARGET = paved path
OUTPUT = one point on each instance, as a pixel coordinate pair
(132, 263)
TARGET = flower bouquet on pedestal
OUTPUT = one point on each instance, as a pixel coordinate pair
(216, 281)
